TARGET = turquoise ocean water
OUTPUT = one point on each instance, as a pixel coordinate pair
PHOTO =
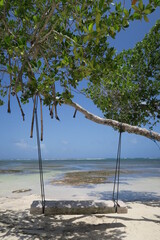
(141, 167)
(17, 174)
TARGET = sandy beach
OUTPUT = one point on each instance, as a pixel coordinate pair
(141, 222)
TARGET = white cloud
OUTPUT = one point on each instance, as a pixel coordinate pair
(134, 141)
(65, 142)
(43, 146)
(22, 144)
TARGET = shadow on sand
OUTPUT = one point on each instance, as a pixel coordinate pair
(22, 225)
(130, 196)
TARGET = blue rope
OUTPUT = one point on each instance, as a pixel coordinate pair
(152, 138)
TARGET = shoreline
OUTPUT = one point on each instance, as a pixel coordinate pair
(79, 186)
(141, 195)
(141, 222)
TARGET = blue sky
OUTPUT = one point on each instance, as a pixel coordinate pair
(79, 137)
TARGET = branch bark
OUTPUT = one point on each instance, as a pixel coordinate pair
(59, 34)
(115, 124)
(48, 15)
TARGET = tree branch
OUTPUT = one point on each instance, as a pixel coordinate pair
(115, 124)
(49, 14)
(59, 34)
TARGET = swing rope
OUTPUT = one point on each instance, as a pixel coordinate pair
(152, 138)
(40, 158)
(117, 174)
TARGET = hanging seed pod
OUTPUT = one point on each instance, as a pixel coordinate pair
(13, 93)
(9, 94)
(41, 118)
(9, 100)
(23, 115)
(55, 104)
(51, 111)
(75, 113)
(32, 123)
(56, 115)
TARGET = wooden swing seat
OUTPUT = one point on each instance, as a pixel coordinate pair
(63, 207)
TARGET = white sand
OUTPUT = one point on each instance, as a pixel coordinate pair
(141, 223)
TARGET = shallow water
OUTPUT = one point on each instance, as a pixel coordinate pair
(141, 182)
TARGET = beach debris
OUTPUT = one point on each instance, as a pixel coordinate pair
(10, 171)
(22, 190)
(81, 178)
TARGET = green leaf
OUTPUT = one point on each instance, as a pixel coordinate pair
(86, 38)
(147, 11)
(112, 32)
(75, 39)
(98, 18)
(1, 3)
(135, 8)
(101, 3)
(125, 23)
(7, 39)
(112, 29)
(137, 16)
(140, 4)
(97, 41)
(90, 28)
(126, 12)
(146, 18)
(85, 29)
(10, 51)
(35, 19)
(1, 101)
(78, 8)
(9, 69)
(39, 63)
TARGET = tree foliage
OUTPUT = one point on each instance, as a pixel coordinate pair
(130, 91)
(48, 47)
